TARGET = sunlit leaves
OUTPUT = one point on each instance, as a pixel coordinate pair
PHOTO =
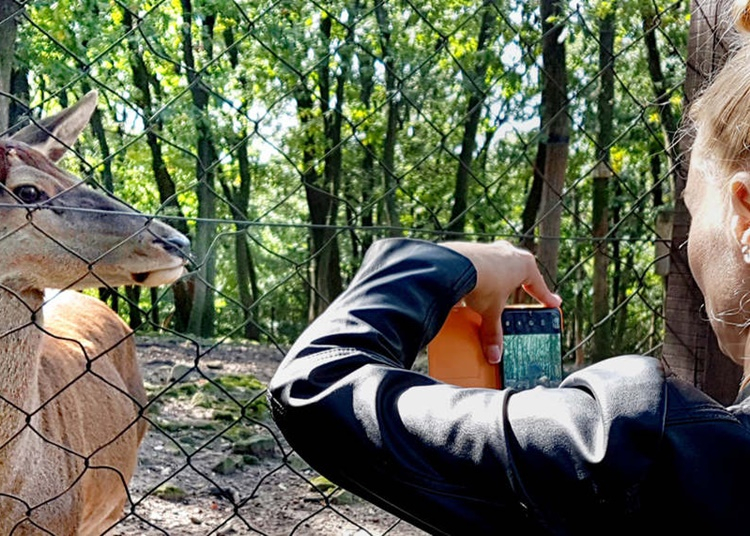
(263, 57)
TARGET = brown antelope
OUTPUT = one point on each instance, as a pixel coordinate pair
(71, 391)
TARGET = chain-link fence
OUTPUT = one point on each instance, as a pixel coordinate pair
(283, 137)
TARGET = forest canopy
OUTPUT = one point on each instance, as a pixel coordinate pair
(285, 136)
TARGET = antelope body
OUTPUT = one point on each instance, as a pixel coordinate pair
(71, 391)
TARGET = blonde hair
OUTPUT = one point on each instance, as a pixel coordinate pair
(721, 115)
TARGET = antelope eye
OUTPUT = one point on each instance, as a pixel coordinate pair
(29, 194)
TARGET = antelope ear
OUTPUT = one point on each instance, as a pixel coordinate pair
(54, 135)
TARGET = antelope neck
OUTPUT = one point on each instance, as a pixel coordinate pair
(20, 340)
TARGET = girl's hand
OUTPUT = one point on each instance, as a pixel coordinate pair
(501, 268)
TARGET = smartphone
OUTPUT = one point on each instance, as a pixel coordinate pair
(532, 349)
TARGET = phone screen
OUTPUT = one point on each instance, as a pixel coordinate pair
(532, 351)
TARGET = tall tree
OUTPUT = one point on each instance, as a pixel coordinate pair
(367, 87)
(555, 132)
(534, 197)
(9, 11)
(202, 317)
(146, 83)
(477, 93)
(144, 80)
(323, 188)
(19, 106)
(662, 92)
(602, 175)
(239, 197)
(392, 89)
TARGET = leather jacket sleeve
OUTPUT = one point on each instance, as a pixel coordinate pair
(604, 447)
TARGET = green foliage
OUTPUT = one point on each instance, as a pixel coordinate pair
(259, 61)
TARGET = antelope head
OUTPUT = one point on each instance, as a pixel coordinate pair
(57, 232)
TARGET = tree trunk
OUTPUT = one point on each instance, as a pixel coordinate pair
(106, 294)
(366, 73)
(690, 346)
(661, 87)
(555, 133)
(657, 192)
(626, 271)
(387, 161)
(618, 306)
(239, 198)
(602, 340)
(202, 317)
(133, 293)
(247, 282)
(154, 312)
(319, 204)
(19, 88)
(577, 322)
(669, 127)
(476, 97)
(478, 221)
(323, 199)
(143, 80)
(9, 11)
(534, 198)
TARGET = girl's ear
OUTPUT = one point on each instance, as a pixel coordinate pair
(739, 188)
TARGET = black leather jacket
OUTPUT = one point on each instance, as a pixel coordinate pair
(619, 446)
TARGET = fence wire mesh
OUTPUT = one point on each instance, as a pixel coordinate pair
(283, 137)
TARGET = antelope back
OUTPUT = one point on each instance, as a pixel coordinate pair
(57, 232)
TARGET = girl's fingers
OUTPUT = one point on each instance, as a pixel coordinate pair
(491, 333)
(537, 288)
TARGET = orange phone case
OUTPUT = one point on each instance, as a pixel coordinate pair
(455, 355)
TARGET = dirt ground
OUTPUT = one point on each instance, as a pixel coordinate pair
(193, 479)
